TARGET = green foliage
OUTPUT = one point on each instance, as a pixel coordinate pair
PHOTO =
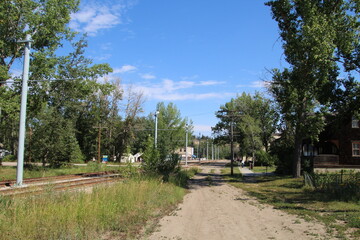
(318, 37)
(67, 110)
(171, 129)
(283, 149)
(150, 156)
(254, 122)
(9, 158)
(180, 177)
(155, 164)
(57, 134)
(265, 159)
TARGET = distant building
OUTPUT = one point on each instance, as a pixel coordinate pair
(338, 145)
(182, 153)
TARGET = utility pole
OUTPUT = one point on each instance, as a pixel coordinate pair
(24, 89)
(207, 150)
(232, 148)
(231, 135)
(156, 126)
(186, 144)
(212, 150)
(99, 142)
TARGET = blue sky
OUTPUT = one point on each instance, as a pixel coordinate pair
(197, 54)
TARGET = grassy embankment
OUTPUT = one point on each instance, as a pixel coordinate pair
(120, 210)
(9, 173)
(342, 218)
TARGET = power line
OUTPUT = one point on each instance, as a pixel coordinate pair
(38, 80)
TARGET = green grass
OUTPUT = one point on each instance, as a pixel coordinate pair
(260, 169)
(289, 194)
(237, 177)
(120, 209)
(9, 173)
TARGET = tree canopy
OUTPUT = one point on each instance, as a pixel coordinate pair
(254, 121)
(318, 38)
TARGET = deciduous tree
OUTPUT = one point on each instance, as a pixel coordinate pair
(317, 35)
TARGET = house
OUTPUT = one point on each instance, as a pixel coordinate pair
(182, 153)
(338, 146)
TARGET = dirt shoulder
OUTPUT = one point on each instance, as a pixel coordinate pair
(216, 210)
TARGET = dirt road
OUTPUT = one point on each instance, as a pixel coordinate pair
(216, 210)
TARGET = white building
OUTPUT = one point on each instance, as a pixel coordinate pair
(182, 152)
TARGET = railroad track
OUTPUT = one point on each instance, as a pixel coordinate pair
(36, 186)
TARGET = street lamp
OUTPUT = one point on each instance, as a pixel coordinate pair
(156, 125)
(22, 127)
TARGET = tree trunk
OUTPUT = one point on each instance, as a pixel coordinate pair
(297, 157)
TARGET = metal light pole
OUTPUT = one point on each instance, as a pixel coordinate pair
(156, 125)
(186, 144)
(25, 78)
(198, 148)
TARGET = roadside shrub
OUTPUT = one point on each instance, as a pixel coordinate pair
(265, 159)
(154, 163)
(180, 178)
(9, 158)
(283, 150)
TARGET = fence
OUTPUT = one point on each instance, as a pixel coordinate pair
(344, 185)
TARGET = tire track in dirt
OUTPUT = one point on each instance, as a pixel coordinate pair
(215, 210)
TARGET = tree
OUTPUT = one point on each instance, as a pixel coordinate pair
(316, 36)
(45, 21)
(53, 139)
(254, 120)
(69, 100)
(250, 131)
(133, 107)
(171, 135)
(171, 129)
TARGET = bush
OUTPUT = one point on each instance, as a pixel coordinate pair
(9, 158)
(180, 178)
(265, 159)
(154, 163)
(283, 149)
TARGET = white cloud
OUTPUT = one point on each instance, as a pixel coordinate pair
(168, 90)
(255, 84)
(190, 77)
(210, 83)
(147, 76)
(103, 57)
(124, 69)
(202, 128)
(97, 15)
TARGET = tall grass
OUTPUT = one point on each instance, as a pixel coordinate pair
(117, 209)
(33, 171)
(181, 177)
